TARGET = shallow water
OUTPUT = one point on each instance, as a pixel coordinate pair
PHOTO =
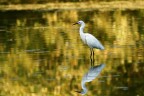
(41, 53)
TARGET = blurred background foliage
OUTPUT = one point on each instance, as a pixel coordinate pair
(51, 1)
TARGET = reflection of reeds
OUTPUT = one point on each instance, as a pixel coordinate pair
(83, 5)
(50, 59)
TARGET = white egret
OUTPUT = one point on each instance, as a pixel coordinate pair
(89, 39)
(90, 76)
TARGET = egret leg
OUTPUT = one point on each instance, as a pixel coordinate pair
(91, 56)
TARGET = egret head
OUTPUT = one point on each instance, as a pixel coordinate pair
(79, 22)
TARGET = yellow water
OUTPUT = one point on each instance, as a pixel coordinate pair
(41, 53)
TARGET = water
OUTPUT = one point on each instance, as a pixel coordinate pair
(41, 53)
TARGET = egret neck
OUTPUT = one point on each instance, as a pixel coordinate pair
(82, 28)
(82, 35)
(84, 91)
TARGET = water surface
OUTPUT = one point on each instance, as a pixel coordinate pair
(41, 53)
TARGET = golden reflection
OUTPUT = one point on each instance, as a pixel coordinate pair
(46, 56)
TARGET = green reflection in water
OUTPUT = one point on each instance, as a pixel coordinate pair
(41, 53)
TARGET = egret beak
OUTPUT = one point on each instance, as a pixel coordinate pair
(75, 23)
(78, 91)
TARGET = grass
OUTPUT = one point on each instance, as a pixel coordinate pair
(77, 6)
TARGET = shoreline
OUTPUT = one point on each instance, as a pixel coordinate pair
(122, 5)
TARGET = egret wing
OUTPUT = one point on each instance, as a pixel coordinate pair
(93, 42)
(92, 73)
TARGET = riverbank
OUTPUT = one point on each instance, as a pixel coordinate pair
(122, 5)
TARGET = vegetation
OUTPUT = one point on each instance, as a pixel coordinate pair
(105, 6)
(51, 1)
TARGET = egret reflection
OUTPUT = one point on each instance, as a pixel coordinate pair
(92, 73)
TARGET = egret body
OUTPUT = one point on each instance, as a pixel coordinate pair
(89, 39)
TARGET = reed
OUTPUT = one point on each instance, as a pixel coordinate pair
(122, 5)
